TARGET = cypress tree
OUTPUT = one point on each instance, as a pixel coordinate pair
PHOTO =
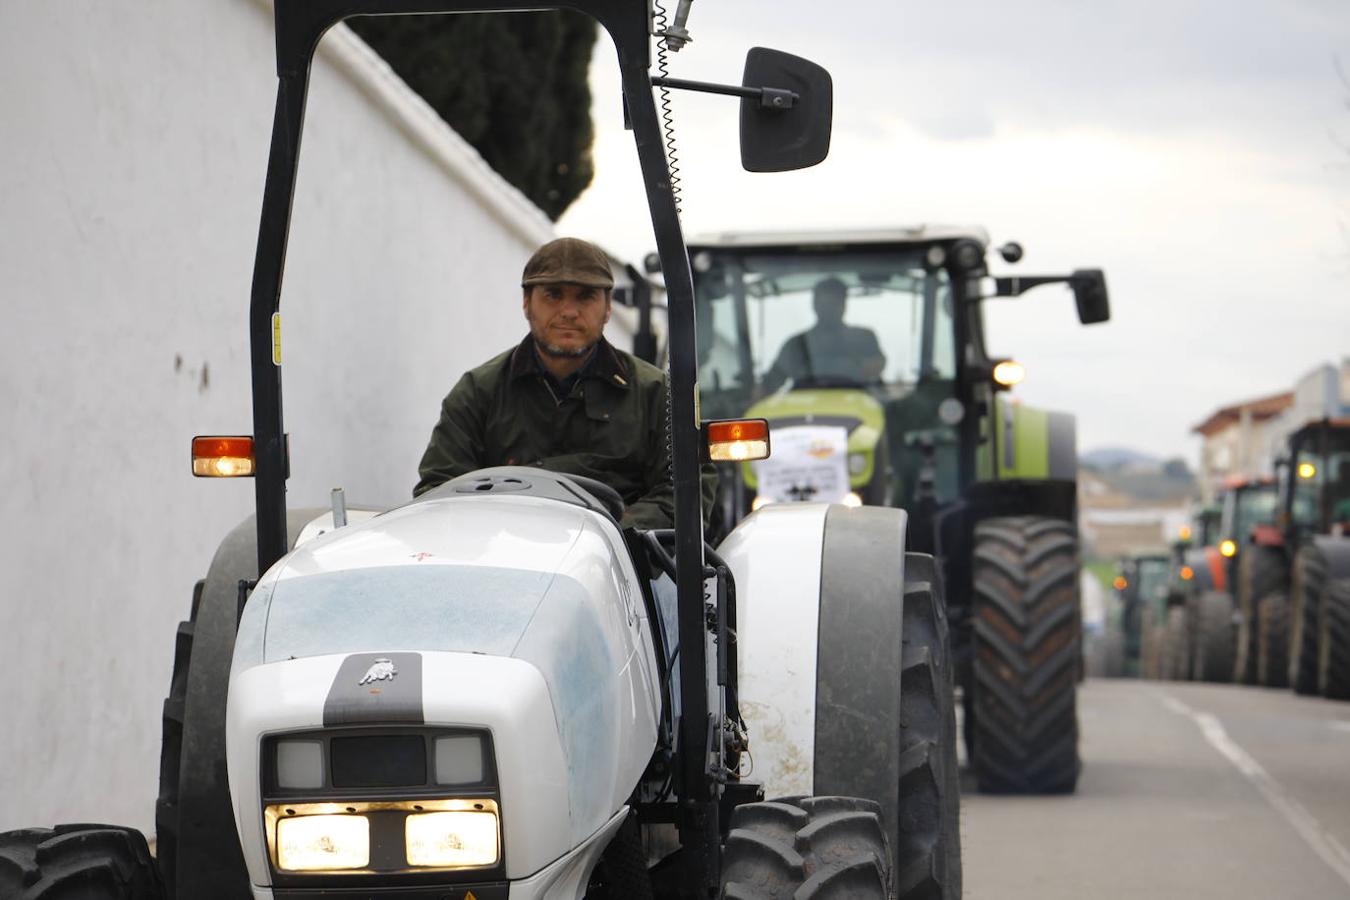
(514, 85)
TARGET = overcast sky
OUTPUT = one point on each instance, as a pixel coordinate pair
(1196, 151)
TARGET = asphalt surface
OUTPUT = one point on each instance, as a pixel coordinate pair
(1188, 791)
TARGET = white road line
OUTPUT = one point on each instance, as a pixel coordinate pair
(1324, 844)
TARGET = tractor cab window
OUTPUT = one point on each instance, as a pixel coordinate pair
(1247, 507)
(1152, 578)
(807, 325)
(1322, 485)
(1207, 528)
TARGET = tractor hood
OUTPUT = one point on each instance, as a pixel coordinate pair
(513, 608)
(459, 574)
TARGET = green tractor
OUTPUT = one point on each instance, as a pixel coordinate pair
(1141, 594)
(865, 350)
(1301, 627)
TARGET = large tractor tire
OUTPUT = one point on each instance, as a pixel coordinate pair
(1214, 637)
(1261, 572)
(1176, 650)
(1333, 666)
(904, 756)
(1272, 658)
(1150, 645)
(1306, 590)
(77, 862)
(1109, 659)
(806, 848)
(928, 844)
(197, 845)
(1025, 671)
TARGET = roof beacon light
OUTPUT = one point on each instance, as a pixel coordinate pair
(1228, 548)
(737, 440)
(1120, 583)
(1184, 532)
(1187, 573)
(222, 457)
(1009, 372)
(1307, 471)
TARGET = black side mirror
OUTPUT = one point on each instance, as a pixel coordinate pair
(1089, 292)
(787, 125)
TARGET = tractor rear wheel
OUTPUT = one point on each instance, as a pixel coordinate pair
(1026, 642)
(928, 835)
(1214, 637)
(1306, 591)
(806, 848)
(1260, 572)
(1333, 667)
(77, 862)
(1272, 659)
(197, 845)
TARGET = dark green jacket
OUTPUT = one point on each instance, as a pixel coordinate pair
(610, 426)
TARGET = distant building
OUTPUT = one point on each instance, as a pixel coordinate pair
(1244, 439)
(1324, 393)
(1237, 440)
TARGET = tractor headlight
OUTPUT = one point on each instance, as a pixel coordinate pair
(323, 843)
(457, 839)
(1228, 548)
(397, 803)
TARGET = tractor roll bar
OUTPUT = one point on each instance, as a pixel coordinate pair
(300, 24)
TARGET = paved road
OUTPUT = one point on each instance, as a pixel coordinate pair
(1188, 791)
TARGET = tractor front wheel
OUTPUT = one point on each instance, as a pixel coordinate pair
(1260, 573)
(1214, 637)
(806, 848)
(1027, 638)
(1272, 658)
(77, 862)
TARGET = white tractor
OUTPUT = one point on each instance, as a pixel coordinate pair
(496, 691)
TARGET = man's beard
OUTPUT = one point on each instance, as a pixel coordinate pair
(564, 352)
(555, 350)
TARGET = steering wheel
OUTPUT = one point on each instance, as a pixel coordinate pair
(606, 496)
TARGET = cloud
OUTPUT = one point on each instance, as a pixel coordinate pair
(1185, 148)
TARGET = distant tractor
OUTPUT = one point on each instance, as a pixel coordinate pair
(1251, 570)
(1198, 594)
(866, 353)
(1141, 588)
(1305, 554)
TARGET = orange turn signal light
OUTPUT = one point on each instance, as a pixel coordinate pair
(1187, 573)
(222, 457)
(737, 440)
(1120, 583)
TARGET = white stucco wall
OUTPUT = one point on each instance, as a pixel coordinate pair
(131, 176)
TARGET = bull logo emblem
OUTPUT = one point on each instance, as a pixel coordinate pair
(381, 670)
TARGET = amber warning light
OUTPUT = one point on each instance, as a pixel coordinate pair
(737, 440)
(222, 457)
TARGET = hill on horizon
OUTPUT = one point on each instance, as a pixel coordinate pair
(1114, 457)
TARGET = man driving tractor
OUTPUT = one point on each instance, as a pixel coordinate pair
(564, 398)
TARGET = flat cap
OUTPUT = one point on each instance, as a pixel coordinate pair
(568, 261)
